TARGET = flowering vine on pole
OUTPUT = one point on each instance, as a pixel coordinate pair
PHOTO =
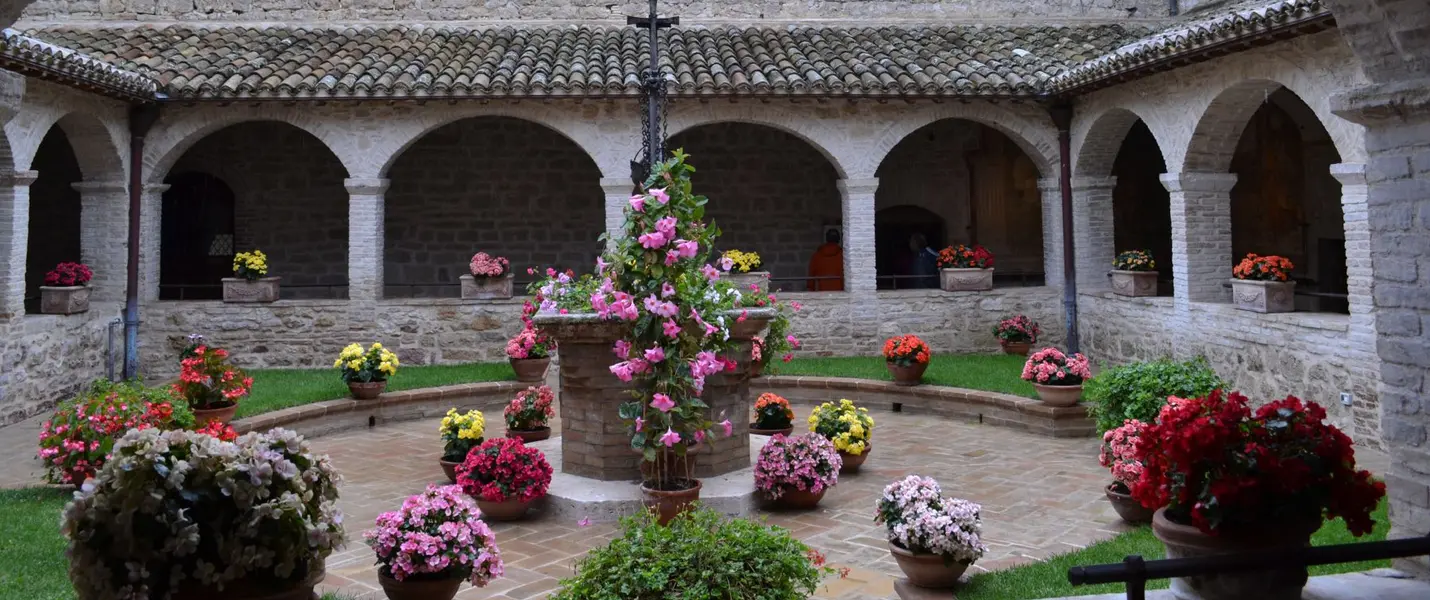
(653, 103)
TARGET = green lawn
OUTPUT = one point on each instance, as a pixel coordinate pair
(275, 389)
(32, 552)
(1049, 579)
(988, 372)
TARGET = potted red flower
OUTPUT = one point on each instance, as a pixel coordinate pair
(526, 416)
(773, 416)
(1119, 454)
(505, 476)
(1058, 377)
(489, 277)
(210, 384)
(795, 472)
(907, 357)
(530, 354)
(66, 289)
(965, 269)
(1263, 284)
(431, 545)
(1226, 479)
(76, 441)
(1017, 334)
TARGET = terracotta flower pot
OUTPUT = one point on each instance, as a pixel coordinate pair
(507, 510)
(770, 432)
(450, 468)
(1059, 395)
(366, 391)
(852, 462)
(486, 288)
(204, 416)
(1134, 284)
(797, 500)
(530, 370)
(907, 376)
(927, 570)
(1016, 348)
(420, 589)
(1264, 296)
(77, 477)
(237, 289)
(965, 280)
(1130, 510)
(1186, 541)
(670, 503)
(528, 436)
(64, 300)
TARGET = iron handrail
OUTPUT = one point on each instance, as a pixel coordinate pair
(1136, 571)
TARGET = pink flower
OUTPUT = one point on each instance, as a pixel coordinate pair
(662, 403)
(660, 195)
(667, 290)
(638, 203)
(601, 265)
(622, 349)
(622, 370)
(710, 273)
(687, 248)
(600, 305)
(671, 257)
(793, 341)
(655, 355)
(584, 522)
(640, 424)
(664, 309)
(666, 227)
(670, 438)
(625, 307)
(726, 263)
(796, 306)
(699, 436)
(728, 427)
(652, 240)
(672, 330)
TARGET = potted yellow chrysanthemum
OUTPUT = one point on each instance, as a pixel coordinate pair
(250, 282)
(849, 427)
(366, 371)
(460, 433)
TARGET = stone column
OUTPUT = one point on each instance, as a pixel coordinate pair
(104, 235)
(1359, 278)
(857, 205)
(1093, 231)
(1052, 197)
(1201, 235)
(618, 194)
(151, 222)
(14, 239)
(366, 209)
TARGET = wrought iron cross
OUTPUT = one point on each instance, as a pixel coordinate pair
(653, 102)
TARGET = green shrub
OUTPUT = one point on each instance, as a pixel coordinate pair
(1139, 390)
(699, 555)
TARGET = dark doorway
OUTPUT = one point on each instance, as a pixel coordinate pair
(54, 213)
(197, 237)
(893, 228)
(1141, 205)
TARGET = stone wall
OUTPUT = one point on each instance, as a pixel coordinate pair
(728, 10)
(46, 359)
(498, 185)
(1266, 357)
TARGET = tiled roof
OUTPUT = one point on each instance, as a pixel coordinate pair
(30, 56)
(1233, 22)
(443, 61)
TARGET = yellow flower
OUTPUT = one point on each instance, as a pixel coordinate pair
(355, 364)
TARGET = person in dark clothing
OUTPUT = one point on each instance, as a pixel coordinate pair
(925, 264)
(826, 267)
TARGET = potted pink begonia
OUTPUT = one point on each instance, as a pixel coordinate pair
(1058, 377)
(794, 472)
(437, 540)
(933, 539)
(1119, 455)
(489, 278)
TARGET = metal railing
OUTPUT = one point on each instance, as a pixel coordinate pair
(1136, 572)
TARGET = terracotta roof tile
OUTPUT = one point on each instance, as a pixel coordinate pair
(31, 56)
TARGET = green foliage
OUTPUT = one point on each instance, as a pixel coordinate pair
(1139, 390)
(699, 555)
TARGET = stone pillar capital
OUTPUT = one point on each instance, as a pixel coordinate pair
(1349, 173)
(19, 178)
(1381, 103)
(156, 188)
(1213, 183)
(366, 186)
(617, 186)
(1051, 184)
(100, 187)
(865, 186)
(1093, 184)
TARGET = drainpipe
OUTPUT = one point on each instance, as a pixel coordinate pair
(141, 118)
(1062, 114)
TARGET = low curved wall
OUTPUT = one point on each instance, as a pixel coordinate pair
(333, 416)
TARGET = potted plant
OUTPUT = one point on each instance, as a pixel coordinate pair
(505, 476)
(187, 516)
(794, 472)
(530, 354)
(965, 269)
(366, 371)
(1119, 455)
(1229, 479)
(849, 427)
(527, 414)
(66, 289)
(773, 416)
(934, 539)
(490, 278)
(251, 282)
(1017, 334)
(460, 433)
(1138, 391)
(437, 540)
(907, 357)
(745, 273)
(1263, 284)
(1134, 274)
(778, 341)
(1057, 376)
(210, 385)
(75, 441)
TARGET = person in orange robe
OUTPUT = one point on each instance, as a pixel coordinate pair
(828, 261)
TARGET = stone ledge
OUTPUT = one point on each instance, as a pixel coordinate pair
(975, 406)
(334, 416)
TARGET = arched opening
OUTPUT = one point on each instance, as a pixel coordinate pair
(197, 237)
(1141, 204)
(1286, 202)
(977, 184)
(499, 185)
(894, 227)
(260, 185)
(54, 227)
(770, 192)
